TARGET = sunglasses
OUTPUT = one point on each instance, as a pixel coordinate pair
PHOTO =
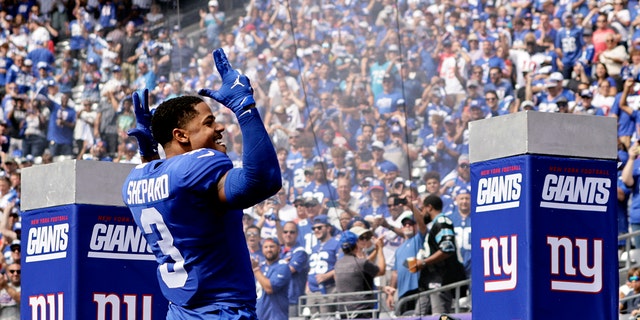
(252, 234)
(633, 278)
(289, 231)
(317, 228)
(463, 166)
(19, 271)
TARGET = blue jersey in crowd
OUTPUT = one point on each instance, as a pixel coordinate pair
(570, 41)
(322, 260)
(61, 134)
(462, 228)
(298, 259)
(274, 305)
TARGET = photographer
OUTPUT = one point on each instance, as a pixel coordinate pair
(355, 274)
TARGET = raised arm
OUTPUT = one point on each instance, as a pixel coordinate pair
(142, 132)
(259, 177)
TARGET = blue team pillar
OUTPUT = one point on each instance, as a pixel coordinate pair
(544, 239)
(82, 255)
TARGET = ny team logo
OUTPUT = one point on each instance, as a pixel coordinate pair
(581, 272)
(108, 306)
(500, 263)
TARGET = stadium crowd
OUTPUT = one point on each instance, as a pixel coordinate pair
(367, 102)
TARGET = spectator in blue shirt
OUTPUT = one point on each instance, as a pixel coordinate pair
(272, 282)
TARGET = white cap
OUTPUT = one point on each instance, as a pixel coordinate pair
(556, 76)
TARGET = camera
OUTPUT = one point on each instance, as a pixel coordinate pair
(400, 202)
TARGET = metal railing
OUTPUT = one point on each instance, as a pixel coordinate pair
(305, 307)
(627, 247)
(456, 286)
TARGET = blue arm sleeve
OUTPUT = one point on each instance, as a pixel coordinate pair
(259, 177)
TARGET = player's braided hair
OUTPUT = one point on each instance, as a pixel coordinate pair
(171, 114)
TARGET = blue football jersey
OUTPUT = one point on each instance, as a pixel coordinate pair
(298, 260)
(199, 244)
(462, 228)
(322, 260)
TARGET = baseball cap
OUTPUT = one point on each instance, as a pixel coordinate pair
(311, 201)
(116, 68)
(562, 99)
(463, 158)
(396, 130)
(42, 65)
(527, 104)
(460, 190)
(377, 145)
(298, 201)
(358, 231)
(376, 184)
(585, 93)
(348, 240)
(386, 167)
(51, 82)
(15, 244)
(213, 3)
(475, 105)
(91, 61)
(472, 37)
(273, 239)
(448, 119)
(28, 62)
(407, 216)
(393, 47)
(321, 219)
(556, 76)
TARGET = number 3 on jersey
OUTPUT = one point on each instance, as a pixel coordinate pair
(177, 277)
